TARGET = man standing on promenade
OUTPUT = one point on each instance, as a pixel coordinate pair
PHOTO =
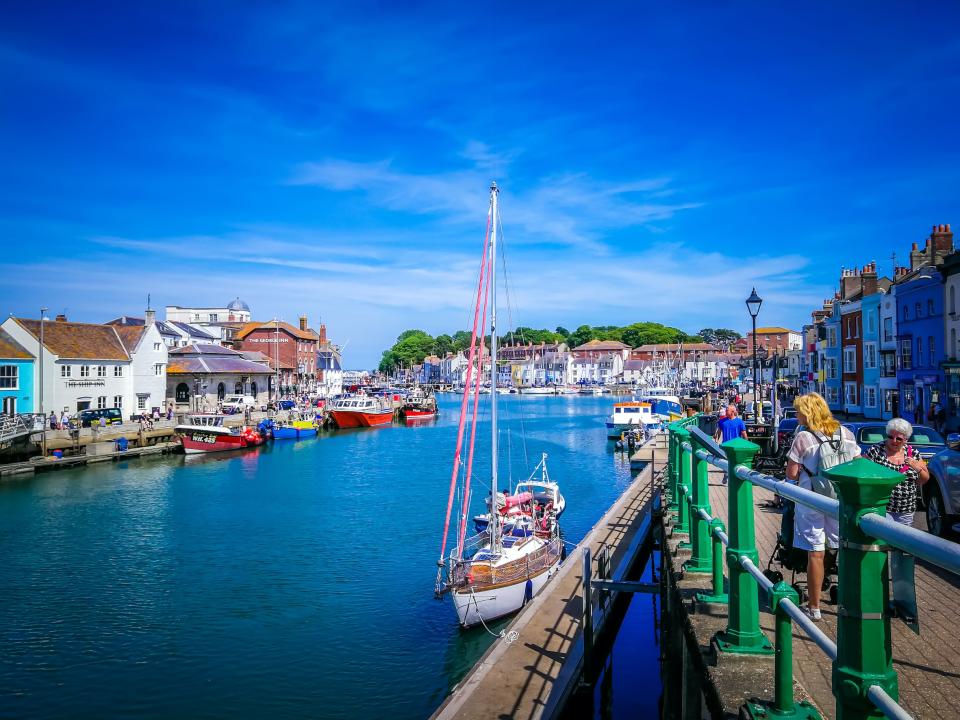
(731, 426)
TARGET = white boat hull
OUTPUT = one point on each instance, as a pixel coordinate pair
(486, 605)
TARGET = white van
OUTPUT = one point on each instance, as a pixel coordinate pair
(238, 403)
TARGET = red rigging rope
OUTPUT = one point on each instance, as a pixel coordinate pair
(484, 269)
(473, 421)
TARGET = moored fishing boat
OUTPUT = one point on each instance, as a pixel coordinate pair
(497, 571)
(632, 414)
(361, 411)
(294, 428)
(419, 405)
(204, 433)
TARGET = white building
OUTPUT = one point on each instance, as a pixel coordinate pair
(598, 362)
(88, 366)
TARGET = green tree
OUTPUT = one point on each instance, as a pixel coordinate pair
(563, 332)
(581, 335)
(461, 340)
(442, 344)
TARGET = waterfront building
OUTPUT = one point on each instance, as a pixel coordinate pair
(429, 370)
(86, 365)
(234, 311)
(920, 342)
(17, 393)
(200, 376)
(329, 366)
(829, 352)
(775, 339)
(294, 350)
(851, 351)
(951, 368)
(889, 392)
(452, 368)
(171, 337)
(192, 334)
(599, 362)
(540, 364)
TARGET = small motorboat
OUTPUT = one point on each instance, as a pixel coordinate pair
(204, 433)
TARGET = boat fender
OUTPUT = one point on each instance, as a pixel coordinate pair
(528, 591)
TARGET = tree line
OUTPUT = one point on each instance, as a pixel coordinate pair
(412, 346)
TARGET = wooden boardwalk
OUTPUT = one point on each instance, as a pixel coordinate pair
(928, 665)
(515, 679)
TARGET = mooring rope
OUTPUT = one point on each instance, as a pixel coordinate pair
(509, 637)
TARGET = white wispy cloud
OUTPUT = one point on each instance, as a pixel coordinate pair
(571, 209)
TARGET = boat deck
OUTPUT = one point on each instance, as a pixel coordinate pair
(518, 678)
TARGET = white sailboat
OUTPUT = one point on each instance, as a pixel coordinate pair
(498, 570)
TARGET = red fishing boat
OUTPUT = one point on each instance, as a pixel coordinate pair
(361, 411)
(206, 433)
(419, 406)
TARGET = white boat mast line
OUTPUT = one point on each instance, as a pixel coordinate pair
(494, 521)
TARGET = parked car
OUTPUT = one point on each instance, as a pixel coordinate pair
(112, 416)
(927, 441)
(238, 403)
(790, 412)
(942, 490)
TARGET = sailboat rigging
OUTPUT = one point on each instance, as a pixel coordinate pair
(518, 547)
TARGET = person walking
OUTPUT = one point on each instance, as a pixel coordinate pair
(730, 426)
(895, 453)
(814, 531)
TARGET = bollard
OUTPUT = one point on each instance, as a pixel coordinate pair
(743, 633)
(864, 655)
(700, 560)
(783, 705)
(719, 594)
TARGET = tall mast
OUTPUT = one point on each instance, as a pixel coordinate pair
(492, 274)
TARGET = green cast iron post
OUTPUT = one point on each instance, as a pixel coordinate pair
(701, 560)
(673, 471)
(783, 707)
(864, 655)
(719, 594)
(683, 485)
(743, 633)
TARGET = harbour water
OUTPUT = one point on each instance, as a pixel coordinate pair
(292, 582)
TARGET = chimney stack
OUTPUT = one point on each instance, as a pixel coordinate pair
(942, 239)
(868, 281)
(60, 318)
(323, 334)
(149, 317)
(303, 323)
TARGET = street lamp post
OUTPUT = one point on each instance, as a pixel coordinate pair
(43, 440)
(753, 307)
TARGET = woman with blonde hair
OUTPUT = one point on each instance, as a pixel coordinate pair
(813, 531)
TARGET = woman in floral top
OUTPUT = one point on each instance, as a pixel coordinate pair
(895, 454)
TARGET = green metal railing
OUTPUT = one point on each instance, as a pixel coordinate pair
(864, 681)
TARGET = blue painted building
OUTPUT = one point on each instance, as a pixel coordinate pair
(872, 397)
(830, 359)
(920, 341)
(17, 364)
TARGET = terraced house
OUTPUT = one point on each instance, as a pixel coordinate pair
(87, 365)
(16, 377)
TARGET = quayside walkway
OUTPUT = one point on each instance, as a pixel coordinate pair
(858, 660)
(523, 674)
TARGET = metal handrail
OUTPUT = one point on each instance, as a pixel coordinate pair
(935, 550)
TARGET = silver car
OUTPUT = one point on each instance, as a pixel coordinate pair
(942, 491)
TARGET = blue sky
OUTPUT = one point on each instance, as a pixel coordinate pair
(656, 160)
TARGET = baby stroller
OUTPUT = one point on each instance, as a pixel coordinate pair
(795, 559)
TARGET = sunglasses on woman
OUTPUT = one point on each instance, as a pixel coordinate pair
(896, 438)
